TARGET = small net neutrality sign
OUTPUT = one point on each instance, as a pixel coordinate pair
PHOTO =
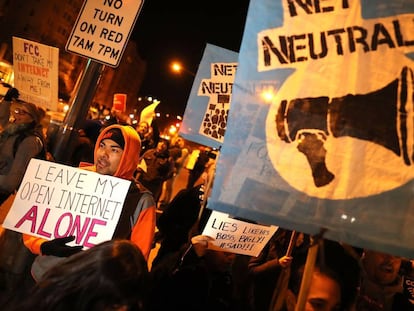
(102, 29)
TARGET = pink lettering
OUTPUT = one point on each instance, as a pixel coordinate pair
(92, 233)
(31, 215)
(58, 225)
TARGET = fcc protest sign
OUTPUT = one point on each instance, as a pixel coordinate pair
(56, 200)
(102, 29)
(36, 68)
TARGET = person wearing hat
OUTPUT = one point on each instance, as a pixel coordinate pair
(117, 154)
(21, 139)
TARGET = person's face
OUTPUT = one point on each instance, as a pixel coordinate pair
(161, 146)
(108, 157)
(21, 116)
(299, 239)
(142, 128)
(381, 268)
(324, 294)
(179, 143)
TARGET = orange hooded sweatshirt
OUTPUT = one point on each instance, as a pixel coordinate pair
(143, 229)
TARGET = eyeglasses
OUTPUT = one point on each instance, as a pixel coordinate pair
(21, 111)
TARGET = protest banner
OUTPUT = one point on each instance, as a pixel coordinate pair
(206, 113)
(56, 200)
(36, 68)
(237, 236)
(319, 133)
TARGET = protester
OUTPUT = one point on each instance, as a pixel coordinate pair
(112, 275)
(116, 154)
(325, 290)
(203, 161)
(178, 152)
(265, 269)
(156, 166)
(381, 286)
(88, 133)
(149, 136)
(195, 278)
(20, 140)
(175, 223)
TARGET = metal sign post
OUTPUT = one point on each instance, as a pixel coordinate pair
(67, 135)
(101, 33)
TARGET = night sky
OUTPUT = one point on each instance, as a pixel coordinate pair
(168, 30)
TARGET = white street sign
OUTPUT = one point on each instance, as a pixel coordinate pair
(102, 29)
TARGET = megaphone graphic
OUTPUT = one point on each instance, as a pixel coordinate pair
(383, 117)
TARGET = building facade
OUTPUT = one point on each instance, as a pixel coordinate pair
(50, 22)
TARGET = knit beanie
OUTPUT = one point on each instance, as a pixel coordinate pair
(116, 135)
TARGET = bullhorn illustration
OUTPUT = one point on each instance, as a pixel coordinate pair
(380, 117)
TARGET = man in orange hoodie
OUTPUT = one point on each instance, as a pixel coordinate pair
(117, 154)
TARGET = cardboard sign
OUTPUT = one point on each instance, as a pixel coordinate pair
(36, 68)
(56, 200)
(237, 236)
(119, 102)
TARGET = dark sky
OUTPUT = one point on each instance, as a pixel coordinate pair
(168, 30)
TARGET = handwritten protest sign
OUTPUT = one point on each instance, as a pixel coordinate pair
(36, 72)
(237, 236)
(55, 201)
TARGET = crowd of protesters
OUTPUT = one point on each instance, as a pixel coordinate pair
(128, 273)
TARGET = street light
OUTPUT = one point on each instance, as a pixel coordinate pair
(178, 68)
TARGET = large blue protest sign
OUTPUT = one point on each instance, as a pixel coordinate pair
(321, 126)
(206, 113)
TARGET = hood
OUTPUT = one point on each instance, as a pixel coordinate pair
(130, 156)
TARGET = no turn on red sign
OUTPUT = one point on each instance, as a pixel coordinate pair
(103, 28)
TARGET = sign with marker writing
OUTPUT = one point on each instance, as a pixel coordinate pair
(102, 29)
(56, 200)
(237, 236)
(36, 69)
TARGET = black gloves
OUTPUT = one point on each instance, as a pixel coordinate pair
(58, 247)
(11, 93)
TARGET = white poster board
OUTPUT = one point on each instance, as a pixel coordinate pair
(56, 200)
(36, 72)
(237, 236)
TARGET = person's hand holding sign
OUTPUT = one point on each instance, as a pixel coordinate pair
(57, 247)
(200, 244)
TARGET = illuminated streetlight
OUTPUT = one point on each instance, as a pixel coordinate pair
(178, 68)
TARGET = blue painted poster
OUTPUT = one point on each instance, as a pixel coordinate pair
(321, 128)
(206, 113)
